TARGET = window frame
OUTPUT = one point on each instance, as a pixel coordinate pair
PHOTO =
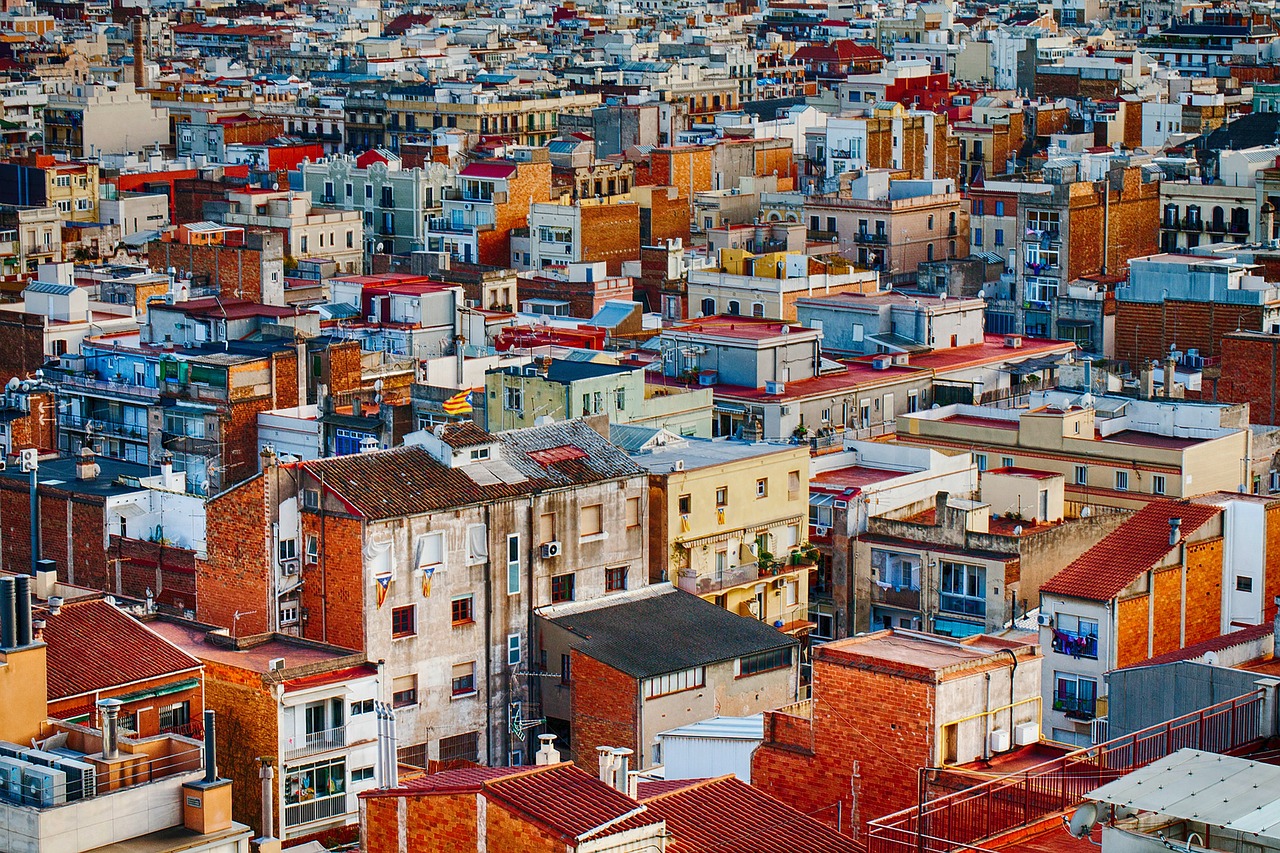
(396, 616)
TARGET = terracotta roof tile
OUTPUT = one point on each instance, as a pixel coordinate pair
(1100, 573)
(726, 815)
(93, 646)
(569, 801)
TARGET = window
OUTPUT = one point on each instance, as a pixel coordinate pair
(633, 512)
(1157, 484)
(362, 706)
(734, 307)
(620, 398)
(546, 528)
(513, 399)
(675, 682)
(684, 504)
(562, 588)
(288, 549)
(762, 488)
(977, 236)
(313, 549)
(480, 454)
(999, 237)
(413, 756)
(999, 208)
(311, 498)
(464, 747)
(708, 307)
(302, 243)
(477, 544)
(913, 401)
(464, 679)
(963, 589)
(404, 691)
(722, 496)
(764, 661)
(461, 610)
(1006, 461)
(566, 670)
(793, 485)
(981, 459)
(362, 774)
(513, 564)
(1075, 695)
(351, 240)
(1122, 481)
(314, 791)
(1075, 636)
(429, 550)
(513, 650)
(1082, 475)
(1244, 584)
(175, 716)
(615, 579)
(404, 621)
(591, 521)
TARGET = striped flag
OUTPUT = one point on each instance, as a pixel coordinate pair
(459, 404)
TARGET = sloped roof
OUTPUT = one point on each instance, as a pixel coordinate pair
(1100, 573)
(491, 169)
(727, 815)
(410, 481)
(661, 629)
(93, 646)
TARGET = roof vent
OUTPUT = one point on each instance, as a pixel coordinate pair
(1175, 525)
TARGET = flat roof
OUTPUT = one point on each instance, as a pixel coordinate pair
(704, 453)
(192, 640)
(855, 477)
(913, 650)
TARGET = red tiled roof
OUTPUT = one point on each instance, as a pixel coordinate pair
(320, 679)
(494, 169)
(1100, 573)
(1216, 644)
(93, 646)
(569, 801)
(557, 454)
(461, 781)
(727, 815)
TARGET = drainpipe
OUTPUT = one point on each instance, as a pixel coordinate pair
(1013, 674)
(488, 640)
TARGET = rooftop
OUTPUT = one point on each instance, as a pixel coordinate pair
(256, 653)
(659, 629)
(695, 453)
(920, 653)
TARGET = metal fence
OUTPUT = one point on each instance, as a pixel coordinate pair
(960, 820)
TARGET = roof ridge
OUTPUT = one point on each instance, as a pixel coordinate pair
(694, 784)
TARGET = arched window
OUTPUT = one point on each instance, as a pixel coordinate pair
(708, 307)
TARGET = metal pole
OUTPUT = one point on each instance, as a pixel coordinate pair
(35, 521)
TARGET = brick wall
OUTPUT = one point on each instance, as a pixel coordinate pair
(505, 830)
(248, 727)
(1271, 583)
(1132, 226)
(72, 533)
(236, 271)
(36, 427)
(871, 731)
(344, 367)
(687, 168)
(611, 233)
(444, 823)
(1204, 591)
(1251, 374)
(234, 577)
(1201, 607)
(531, 183)
(169, 572)
(603, 710)
(23, 351)
(669, 216)
(1131, 631)
(333, 591)
(1145, 331)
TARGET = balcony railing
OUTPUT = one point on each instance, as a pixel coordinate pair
(321, 808)
(871, 238)
(101, 426)
(122, 389)
(1079, 707)
(739, 575)
(962, 605)
(1076, 645)
(314, 742)
(904, 599)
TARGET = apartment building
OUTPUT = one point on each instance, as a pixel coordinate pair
(490, 199)
(88, 118)
(70, 188)
(234, 263)
(308, 708)
(1119, 452)
(434, 557)
(769, 284)
(889, 322)
(584, 231)
(526, 115)
(310, 233)
(29, 236)
(729, 524)
(1153, 585)
(891, 226)
(885, 136)
(394, 201)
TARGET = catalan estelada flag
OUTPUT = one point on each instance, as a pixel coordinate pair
(459, 404)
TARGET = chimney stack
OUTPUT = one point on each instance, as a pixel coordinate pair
(604, 754)
(22, 610)
(110, 711)
(1170, 366)
(86, 467)
(1175, 525)
(210, 749)
(46, 579)
(139, 55)
(622, 768)
(8, 613)
(547, 753)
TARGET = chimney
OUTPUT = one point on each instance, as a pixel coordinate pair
(267, 774)
(210, 749)
(8, 613)
(940, 507)
(1170, 366)
(86, 468)
(206, 803)
(357, 407)
(1146, 384)
(22, 610)
(604, 755)
(46, 579)
(1175, 531)
(548, 754)
(622, 768)
(139, 55)
(110, 711)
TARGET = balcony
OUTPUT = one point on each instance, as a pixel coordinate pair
(740, 575)
(313, 742)
(1076, 707)
(1216, 227)
(444, 225)
(899, 597)
(1074, 644)
(1189, 224)
(103, 427)
(110, 388)
(311, 811)
(871, 238)
(962, 605)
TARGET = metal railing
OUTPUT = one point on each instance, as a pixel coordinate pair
(310, 811)
(320, 741)
(962, 819)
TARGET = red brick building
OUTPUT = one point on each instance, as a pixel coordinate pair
(1249, 372)
(252, 270)
(885, 705)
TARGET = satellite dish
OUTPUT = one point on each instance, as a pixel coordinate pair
(1017, 530)
(13, 384)
(982, 294)
(1085, 512)
(1084, 820)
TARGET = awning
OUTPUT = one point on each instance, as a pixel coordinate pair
(129, 510)
(162, 690)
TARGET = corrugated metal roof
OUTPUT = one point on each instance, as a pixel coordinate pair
(734, 728)
(51, 288)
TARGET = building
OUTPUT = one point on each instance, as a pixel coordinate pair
(395, 217)
(888, 322)
(1121, 452)
(306, 707)
(442, 550)
(1153, 585)
(522, 395)
(310, 233)
(103, 786)
(69, 188)
(234, 263)
(489, 200)
(34, 237)
(623, 683)
(527, 116)
(886, 704)
(769, 284)
(726, 514)
(584, 231)
(87, 118)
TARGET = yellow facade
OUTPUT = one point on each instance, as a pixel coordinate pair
(737, 531)
(73, 191)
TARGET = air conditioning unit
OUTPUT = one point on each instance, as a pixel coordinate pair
(779, 583)
(372, 318)
(43, 786)
(2, 464)
(998, 740)
(1025, 734)
(289, 567)
(550, 550)
(678, 465)
(750, 607)
(275, 665)
(1045, 620)
(772, 387)
(11, 779)
(819, 530)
